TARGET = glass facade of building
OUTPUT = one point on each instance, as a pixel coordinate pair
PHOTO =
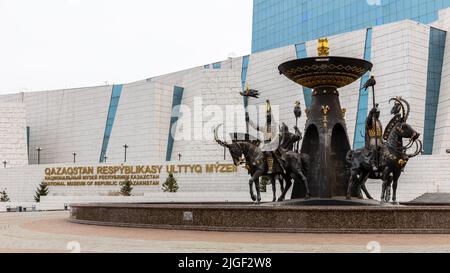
(176, 102)
(113, 105)
(363, 101)
(435, 64)
(278, 23)
(245, 63)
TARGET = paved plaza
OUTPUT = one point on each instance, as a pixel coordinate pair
(51, 232)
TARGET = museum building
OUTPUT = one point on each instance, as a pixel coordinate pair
(131, 128)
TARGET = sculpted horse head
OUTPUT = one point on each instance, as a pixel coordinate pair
(404, 130)
(235, 148)
(401, 129)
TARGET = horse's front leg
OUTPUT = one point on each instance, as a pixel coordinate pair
(286, 178)
(362, 185)
(351, 183)
(281, 180)
(394, 188)
(258, 189)
(252, 180)
(305, 183)
(364, 188)
(385, 196)
(274, 188)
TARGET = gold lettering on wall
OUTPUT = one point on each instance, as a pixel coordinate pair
(113, 176)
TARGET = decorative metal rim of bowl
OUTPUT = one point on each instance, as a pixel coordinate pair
(325, 71)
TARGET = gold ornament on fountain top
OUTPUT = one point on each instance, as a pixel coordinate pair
(323, 50)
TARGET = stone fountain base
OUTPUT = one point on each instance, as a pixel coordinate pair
(287, 217)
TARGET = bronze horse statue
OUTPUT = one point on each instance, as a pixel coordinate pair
(393, 159)
(295, 166)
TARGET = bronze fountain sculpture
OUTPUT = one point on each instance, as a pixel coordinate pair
(326, 140)
(258, 163)
(325, 165)
(325, 170)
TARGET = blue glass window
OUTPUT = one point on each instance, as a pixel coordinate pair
(28, 140)
(435, 63)
(114, 103)
(245, 62)
(176, 101)
(363, 102)
(278, 23)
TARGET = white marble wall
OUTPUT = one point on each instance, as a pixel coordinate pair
(400, 58)
(13, 135)
(142, 122)
(204, 90)
(65, 121)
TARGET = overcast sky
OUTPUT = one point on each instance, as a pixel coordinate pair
(56, 44)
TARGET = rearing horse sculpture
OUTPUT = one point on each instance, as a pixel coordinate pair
(295, 165)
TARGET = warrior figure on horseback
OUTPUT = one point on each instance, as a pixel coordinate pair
(273, 157)
(387, 160)
(271, 142)
(373, 138)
